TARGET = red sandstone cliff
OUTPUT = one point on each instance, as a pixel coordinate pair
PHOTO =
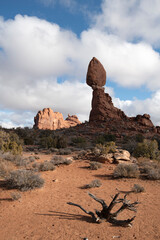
(47, 119)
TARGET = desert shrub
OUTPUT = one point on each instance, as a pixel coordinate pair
(109, 147)
(102, 139)
(24, 180)
(58, 160)
(79, 142)
(95, 183)
(64, 151)
(52, 141)
(126, 171)
(137, 188)
(46, 166)
(150, 170)
(95, 165)
(148, 148)
(5, 168)
(18, 160)
(139, 138)
(15, 196)
(10, 143)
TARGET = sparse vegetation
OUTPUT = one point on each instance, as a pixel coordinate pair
(95, 165)
(109, 147)
(24, 180)
(58, 160)
(126, 171)
(95, 183)
(150, 170)
(15, 196)
(10, 142)
(147, 148)
(102, 139)
(137, 188)
(46, 166)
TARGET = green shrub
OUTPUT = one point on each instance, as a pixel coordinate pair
(95, 165)
(148, 148)
(109, 147)
(24, 180)
(126, 171)
(10, 143)
(102, 139)
(79, 142)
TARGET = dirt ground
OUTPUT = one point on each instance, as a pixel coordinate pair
(43, 214)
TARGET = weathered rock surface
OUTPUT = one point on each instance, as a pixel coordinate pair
(47, 119)
(96, 75)
(104, 112)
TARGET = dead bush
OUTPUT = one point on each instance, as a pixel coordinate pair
(126, 171)
(95, 165)
(24, 180)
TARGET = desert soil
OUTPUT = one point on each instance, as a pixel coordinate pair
(43, 214)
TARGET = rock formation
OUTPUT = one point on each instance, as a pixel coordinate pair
(103, 110)
(47, 119)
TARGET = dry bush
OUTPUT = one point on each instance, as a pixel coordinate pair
(126, 171)
(64, 151)
(46, 166)
(95, 183)
(137, 188)
(15, 196)
(24, 180)
(58, 160)
(95, 165)
(150, 170)
(5, 168)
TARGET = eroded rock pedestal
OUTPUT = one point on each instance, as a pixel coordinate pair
(103, 110)
(47, 119)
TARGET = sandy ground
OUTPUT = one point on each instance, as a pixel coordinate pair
(43, 214)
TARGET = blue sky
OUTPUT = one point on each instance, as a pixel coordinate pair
(46, 45)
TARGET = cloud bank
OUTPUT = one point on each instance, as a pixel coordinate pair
(43, 65)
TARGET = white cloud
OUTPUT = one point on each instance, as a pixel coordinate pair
(131, 20)
(36, 54)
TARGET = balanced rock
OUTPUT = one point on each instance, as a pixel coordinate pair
(103, 111)
(47, 119)
(96, 74)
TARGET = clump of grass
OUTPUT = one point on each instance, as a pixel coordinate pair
(24, 180)
(126, 171)
(46, 166)
(95, 183)
(95, 165)
(137, 188)
(58, 160)
(15, 196)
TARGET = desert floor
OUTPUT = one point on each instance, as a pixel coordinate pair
(43, 214)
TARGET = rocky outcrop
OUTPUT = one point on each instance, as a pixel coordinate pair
(47, 119)
(103, 110)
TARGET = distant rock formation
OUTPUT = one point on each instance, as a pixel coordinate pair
(103, 110)
(47, 119)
